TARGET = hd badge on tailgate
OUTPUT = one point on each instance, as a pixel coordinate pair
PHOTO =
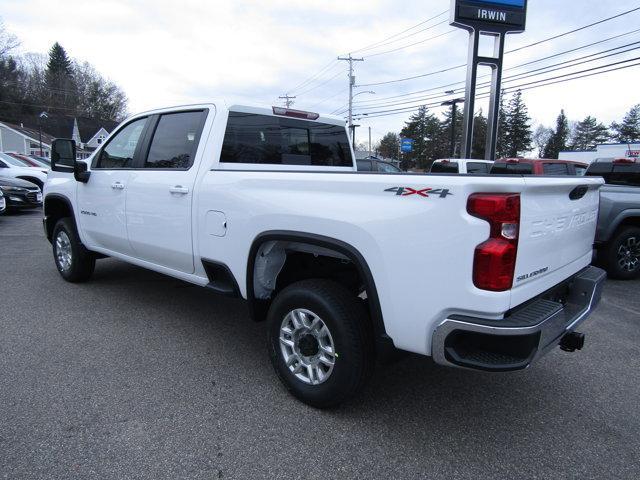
(420, 192)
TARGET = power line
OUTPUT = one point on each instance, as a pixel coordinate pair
(440, 87)
(523, 87)
(320, 84)
(313, 77)
(377, 44)
(574, 30)
(412, 44)
(527, 74)
(510, 51)
(327, 67)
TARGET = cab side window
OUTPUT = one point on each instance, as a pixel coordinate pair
(120, 150)
(175, 140)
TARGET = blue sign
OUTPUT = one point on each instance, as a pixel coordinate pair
(511, 3)
(406, 145)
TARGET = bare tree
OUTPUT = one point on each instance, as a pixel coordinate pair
(540, 138)
(8, 41)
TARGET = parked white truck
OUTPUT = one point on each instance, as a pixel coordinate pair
(479, 272)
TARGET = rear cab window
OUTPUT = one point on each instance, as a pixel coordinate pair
(445, 167)
(555, 169)
(511, 168)
(273, 140)
(627, 174)
(478, 167)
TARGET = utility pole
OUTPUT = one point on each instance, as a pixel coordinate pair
(288, 100)
(370, 153)
(352, 83)
(454, 112)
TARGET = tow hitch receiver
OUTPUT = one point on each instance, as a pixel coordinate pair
(572, 341)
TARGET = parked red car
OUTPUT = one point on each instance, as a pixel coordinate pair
(538, 166)
(25, 159)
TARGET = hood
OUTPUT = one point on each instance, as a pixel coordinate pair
(16, 182)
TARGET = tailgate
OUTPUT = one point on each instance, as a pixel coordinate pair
(557, 230)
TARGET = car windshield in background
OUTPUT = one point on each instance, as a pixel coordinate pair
(388, 168)
(364, 165)
(512, 168)
(444, 167)
(263, 139)
(14, 161)
(616, 173)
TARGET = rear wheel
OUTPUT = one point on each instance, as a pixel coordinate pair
(622, 254)
(74, 262)
(320, 342)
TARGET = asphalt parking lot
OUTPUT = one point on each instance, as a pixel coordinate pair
(137, 375)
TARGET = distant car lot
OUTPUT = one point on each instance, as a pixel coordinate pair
(138, 375)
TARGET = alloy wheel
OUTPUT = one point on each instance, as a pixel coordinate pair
(307, 346)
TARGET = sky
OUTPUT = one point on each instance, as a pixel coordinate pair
(169, 53)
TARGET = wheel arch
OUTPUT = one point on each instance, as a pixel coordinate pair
(628, 217)
(56, 206)
(258, 308)
(34, 180)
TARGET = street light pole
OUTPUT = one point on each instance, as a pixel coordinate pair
(40, 117)
(454, 111)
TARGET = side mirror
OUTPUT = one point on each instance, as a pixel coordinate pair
(81, 172)
(63, 155)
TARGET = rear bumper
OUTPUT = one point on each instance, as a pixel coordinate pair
(525, 334)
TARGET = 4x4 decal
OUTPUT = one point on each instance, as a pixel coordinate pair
(424, 192)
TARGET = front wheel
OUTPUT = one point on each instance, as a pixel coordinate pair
(622, 254)
(320, 342)
(74, 262)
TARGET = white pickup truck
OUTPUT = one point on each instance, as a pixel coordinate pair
(479, 272)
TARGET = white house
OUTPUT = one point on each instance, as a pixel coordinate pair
(605, 150)
(17, 138)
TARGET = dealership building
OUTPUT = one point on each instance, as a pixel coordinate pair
(605, 150)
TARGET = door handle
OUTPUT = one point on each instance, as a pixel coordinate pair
(179, 189)
(117, 186)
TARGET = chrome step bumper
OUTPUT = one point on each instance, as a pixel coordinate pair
(525, 334)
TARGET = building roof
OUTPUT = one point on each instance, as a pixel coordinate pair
(30, 133)
(61, 126)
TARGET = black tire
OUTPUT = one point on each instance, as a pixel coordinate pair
(617, 265)
(82, 262)
(346, 318)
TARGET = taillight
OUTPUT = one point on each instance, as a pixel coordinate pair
(624, 160)
(494, 261)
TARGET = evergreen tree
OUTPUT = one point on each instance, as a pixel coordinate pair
(588, 133)
(559, 138)
(426, 131)
(62, 95)
(518, 135)
(479, 136)
(502, 146)
(446, 132)
(389, 145)
(629, 129)
(10, 88)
